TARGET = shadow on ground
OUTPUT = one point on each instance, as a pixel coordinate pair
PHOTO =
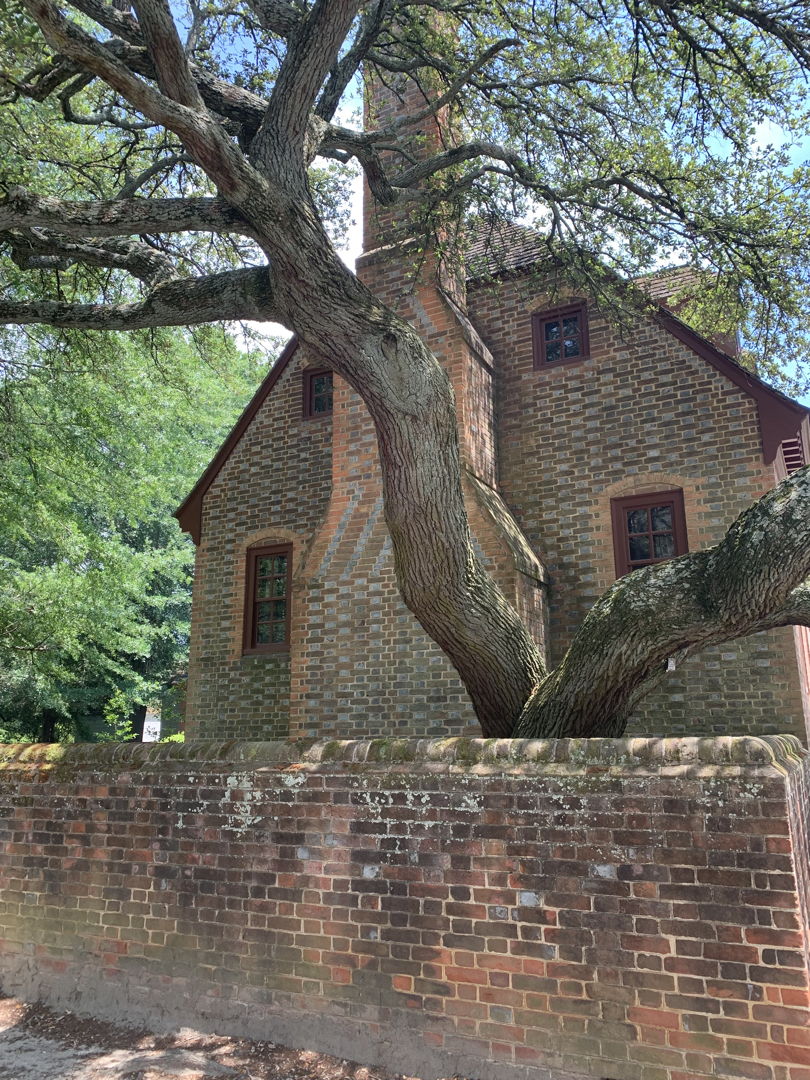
(38, 1044)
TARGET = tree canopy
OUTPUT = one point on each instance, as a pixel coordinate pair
(173, 165)
(95, 576)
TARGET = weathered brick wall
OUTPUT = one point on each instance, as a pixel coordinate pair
(274, 488)
(641, 415)
(362, 664)
(633, 909)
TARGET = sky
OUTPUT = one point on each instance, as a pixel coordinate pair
(766, 133)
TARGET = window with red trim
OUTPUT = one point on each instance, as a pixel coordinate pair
(317, 393)
(648, 529)
(560, 336)
(267, 611)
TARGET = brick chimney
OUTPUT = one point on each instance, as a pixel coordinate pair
(351, 560)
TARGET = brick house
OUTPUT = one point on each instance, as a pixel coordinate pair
(576, 468)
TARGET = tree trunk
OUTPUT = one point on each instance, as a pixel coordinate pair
(412, 404)
(750, 581)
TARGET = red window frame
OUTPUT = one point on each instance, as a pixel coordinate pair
(540, 344)
(253, 601)
(309, 394)
(621, 537)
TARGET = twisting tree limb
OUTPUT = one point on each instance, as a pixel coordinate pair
(228, 100)
(238, 294)
(167, 53)
(204, 139)
(452, 92)
(122, 24)
(364, 150)
(23, 209)
(132, 186)
(276, 16)
(754, 579)
(35, 249)
(345, 69)
(311, 53)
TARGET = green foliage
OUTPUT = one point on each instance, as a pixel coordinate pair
(102, 436)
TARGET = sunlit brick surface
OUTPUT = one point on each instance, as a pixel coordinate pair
(643, 414)
(274, 488)
(629, 909)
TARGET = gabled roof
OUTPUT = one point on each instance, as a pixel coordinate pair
(189, 514)
(507, 249)
(780, 418)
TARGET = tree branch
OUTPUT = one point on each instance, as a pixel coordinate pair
(118, 217)
(204, 139)
(406, 119)
(311, 53)
(122, 24)
(343, 72)
(238, 294)
(359, 146)
(457, 155)
(167, 53)
(754, 579)
(233, 102)
(276, 16)
(132, 186)
(36, 250)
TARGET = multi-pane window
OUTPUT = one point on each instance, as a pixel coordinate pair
(560, 336)
(648, 529)
(267, 626)
(317, 393)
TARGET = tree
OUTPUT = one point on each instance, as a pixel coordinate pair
(95, 575)
(625, 128)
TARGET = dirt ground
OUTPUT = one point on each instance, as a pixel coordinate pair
(37, 1044)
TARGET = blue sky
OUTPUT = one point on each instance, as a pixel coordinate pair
(766, 133)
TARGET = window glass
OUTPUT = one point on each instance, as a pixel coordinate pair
(561, 337)
(319, 393)
(639, 548)
(664, 546)
(661, 518)
(269, 608)
(637, 521)
(650, 534)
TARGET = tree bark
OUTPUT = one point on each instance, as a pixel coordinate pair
(675, 608)
(752, 580)
(237, 294)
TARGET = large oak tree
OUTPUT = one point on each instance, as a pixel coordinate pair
(170, 166)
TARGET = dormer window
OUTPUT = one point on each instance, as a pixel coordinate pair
(560, 336)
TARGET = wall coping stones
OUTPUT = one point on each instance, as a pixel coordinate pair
(723, 755)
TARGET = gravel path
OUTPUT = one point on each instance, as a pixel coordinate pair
(37, 1044)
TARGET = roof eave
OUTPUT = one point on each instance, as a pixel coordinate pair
(189, 513)
(780, 417)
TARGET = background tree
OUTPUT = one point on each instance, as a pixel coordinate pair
(205, 192)
(100, 435)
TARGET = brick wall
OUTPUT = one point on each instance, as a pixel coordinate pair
(642, 415)
(275, 487)
(633, 909)
(362, 664)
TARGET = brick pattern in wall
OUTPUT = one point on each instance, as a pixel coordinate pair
(275, 487)
(633, 909)
(642, 415)
(362, 664)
